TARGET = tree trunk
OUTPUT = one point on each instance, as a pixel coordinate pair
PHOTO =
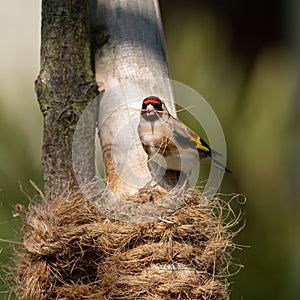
(64, 87)
(131, 65)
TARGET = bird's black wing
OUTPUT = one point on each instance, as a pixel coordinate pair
(183, 140)
(187, 138)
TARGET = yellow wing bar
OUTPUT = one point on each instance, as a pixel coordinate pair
(199, 144)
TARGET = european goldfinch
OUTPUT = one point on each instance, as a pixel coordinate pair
(168, 142)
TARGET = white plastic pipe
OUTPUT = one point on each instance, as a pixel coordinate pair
(131, 65)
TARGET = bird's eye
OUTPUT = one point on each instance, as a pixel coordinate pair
(144, 106)
(158, 106)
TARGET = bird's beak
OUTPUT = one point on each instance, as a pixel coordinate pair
(150, 109)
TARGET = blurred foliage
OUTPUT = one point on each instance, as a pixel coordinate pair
(18, 165)
(254, 99)
(254, 95)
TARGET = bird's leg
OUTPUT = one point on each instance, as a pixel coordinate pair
(181, 191)
(147, 186)
(156, 172)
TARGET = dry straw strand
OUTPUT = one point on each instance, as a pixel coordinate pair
(72, 250)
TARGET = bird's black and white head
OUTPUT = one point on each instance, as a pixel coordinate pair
(153, 109)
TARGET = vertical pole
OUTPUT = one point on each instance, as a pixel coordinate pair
(131, 65)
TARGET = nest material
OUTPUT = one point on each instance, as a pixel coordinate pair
(73, 251)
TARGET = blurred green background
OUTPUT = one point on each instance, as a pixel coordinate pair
(243, 57)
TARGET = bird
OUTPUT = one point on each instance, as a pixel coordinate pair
(169, 143)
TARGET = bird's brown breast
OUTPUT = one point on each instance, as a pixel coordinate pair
(157, 140)
(161, 145)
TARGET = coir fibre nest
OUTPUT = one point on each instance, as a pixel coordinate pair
(72, 250)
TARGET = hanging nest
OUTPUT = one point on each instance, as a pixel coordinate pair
(72, 250)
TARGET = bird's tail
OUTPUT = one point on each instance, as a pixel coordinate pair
(217, 164)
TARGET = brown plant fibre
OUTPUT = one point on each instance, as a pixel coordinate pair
(72, 250)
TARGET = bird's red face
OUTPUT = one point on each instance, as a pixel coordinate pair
(152, 108)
